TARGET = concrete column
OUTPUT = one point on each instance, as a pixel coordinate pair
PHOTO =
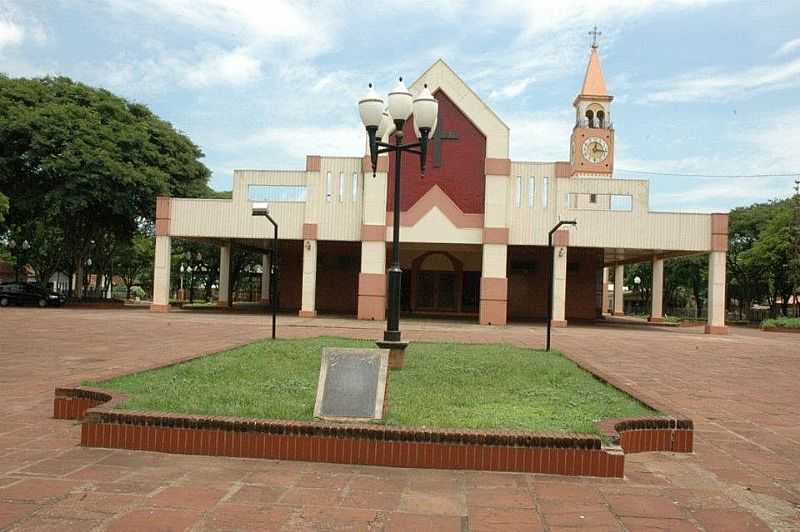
(372, 278)
(265, 273)
(657, 292)
(494, 285)
(161, 274)
(619, 290)
(224, 299)
(308, 300)
(604, 306)
(559, 285)
(716, 293)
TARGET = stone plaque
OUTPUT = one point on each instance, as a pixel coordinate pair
(352, 383)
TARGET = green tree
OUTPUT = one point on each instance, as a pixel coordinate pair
(88, 162)
(773, 253)
(3, 208)
(689, 276)
(642, 290)
(133, 261)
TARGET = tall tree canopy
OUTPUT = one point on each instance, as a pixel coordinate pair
(3, 208)
(87, 162)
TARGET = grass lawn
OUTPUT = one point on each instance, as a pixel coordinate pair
(442, 385)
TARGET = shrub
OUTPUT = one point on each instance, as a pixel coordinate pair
(782, 322)
(137, 291)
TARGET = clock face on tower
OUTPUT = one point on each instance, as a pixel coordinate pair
(595, 150)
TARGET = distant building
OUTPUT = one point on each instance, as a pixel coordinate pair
(474, 228)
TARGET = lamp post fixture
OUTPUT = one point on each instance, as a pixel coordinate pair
(262, 209)
(383, 122)
(552, 274)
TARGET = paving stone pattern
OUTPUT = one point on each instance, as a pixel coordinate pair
(741, 390)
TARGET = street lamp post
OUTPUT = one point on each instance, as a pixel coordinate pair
(183, 269)
(552, 274)
(262, 209)
(380, 122)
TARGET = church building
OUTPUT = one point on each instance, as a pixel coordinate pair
(474, 228)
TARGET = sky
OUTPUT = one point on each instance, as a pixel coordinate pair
(701, 86)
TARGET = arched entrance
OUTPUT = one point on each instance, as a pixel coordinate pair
(437, 282)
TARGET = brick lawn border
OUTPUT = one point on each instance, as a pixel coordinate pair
(782, 329)
(103, 425)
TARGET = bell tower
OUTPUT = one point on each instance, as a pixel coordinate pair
(592, 142)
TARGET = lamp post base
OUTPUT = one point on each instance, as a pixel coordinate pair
(397, 352)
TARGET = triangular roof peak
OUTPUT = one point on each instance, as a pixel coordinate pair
(440, 76)
(594, 84)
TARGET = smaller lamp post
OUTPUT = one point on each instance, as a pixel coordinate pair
(637, 282)
(552, 274)
(88, 275)
(262, 209)
(183, 269)
(190, 271)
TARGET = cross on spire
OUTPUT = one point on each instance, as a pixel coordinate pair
(595, 34)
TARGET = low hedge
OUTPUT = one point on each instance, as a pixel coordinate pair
(781, 323)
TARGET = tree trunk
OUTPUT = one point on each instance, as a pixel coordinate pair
(78, 288)
(697, 301)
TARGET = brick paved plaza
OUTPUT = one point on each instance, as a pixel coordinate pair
(741, 390)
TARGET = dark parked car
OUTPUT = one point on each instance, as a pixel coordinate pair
(28, 293)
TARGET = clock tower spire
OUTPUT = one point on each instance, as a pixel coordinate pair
(592, 145)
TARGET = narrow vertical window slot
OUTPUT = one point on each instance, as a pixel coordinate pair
(545, 191)
(328, 190)
(531, 190)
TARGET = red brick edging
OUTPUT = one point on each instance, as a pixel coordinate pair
(549, 453)
(781, 329)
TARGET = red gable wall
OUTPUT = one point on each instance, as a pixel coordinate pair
(461, 175)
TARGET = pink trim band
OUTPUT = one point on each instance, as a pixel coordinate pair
(373, 233)
(719, 232)
(497, 166)
(313, 163)
(382, 166)
(371, 284)
(163, 207)
(561, 238)
(436, 197)
(495, 235)
(310, 231)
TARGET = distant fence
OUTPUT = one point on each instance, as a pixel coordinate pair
(753, 315)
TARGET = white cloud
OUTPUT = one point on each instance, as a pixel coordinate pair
(544, 16)
(540, 136)
(512, 90)
(193, 69)
(10, 34)
(765, 149)
(236, 67)
(306, 25)
(788, 47)
(708, 84)
(297, 142)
